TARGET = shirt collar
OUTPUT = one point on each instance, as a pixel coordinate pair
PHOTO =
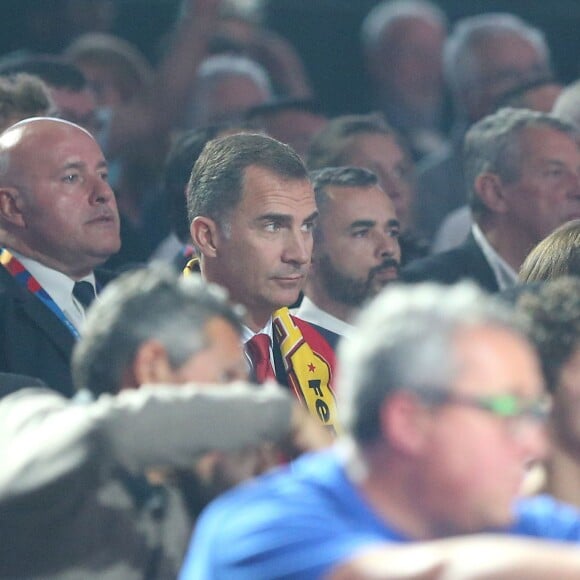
(58, 286)
(505, 275)
(309, 312)
(247, 333)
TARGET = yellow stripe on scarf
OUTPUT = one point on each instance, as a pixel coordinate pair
(192, 267)
(308, 374)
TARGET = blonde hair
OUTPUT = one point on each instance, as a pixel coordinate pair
(555, 256)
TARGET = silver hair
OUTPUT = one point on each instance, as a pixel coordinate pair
(214, 70)
(406, 339)
(494, 145)
(385, 14)
(13, 135)
(567, 105)
(219, 66)
(149, 304)
(460, 64)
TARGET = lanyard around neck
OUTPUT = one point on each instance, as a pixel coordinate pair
(17, 270)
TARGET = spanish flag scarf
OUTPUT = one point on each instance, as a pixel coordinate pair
(309, 374)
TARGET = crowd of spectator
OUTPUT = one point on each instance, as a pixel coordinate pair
(242, 337)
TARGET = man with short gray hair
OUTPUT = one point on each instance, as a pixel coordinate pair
(152, 327)
(484, 57)
(441, 395)
(522, 171)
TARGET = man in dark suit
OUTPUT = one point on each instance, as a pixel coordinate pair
(58, 222)
(484, 56)
(356, 249)
(252, 211)
(522, 170)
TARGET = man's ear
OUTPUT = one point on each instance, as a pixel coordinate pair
(150, 365)
(403, 422)
(489, 188)
(205, 235)
(10, 207)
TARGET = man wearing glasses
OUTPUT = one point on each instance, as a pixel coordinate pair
(441, 398)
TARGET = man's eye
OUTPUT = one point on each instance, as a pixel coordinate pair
(360, 233)
(308, 226)
(394, 233)
(71, 178)
(272, 227)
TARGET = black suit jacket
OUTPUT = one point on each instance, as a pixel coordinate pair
(466, 262)
(33, 341)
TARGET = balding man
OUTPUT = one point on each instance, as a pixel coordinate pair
(58, 222)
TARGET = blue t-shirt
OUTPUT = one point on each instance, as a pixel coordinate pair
(305, 519)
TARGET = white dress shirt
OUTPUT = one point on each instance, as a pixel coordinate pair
(248, 334)
(309, 312)
(505, 275)
(59, 287)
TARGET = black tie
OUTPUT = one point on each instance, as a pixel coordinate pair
(84, 292)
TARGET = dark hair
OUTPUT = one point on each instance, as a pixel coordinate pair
(331, 147)
(176, 172)
(54, 71)
(346, 176)
(217, 180)
(281, 105)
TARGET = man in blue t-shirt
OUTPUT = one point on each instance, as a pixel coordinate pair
(441, 398)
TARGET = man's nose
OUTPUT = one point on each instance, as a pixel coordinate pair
(388, 246)
(101, 191)
(298, 247)
(533, 440)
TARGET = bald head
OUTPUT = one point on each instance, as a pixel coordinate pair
(56, 205)
(24, 138)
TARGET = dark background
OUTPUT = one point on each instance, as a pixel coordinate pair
(325, 33)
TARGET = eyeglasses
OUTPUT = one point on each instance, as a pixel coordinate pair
(506, 406)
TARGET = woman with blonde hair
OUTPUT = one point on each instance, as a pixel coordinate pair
(556, 255)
